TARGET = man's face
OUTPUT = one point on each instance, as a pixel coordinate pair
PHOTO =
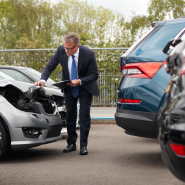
(70, 48)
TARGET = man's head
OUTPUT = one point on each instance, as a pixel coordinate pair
(71, 43)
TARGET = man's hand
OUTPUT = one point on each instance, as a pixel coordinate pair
(40, 83)
(74, 83)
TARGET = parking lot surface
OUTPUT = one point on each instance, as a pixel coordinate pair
(114, 158)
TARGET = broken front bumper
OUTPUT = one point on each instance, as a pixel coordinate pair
(28, 129)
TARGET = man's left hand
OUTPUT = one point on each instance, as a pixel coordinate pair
(74, 83)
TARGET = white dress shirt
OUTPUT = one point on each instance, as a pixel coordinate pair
(70, 59)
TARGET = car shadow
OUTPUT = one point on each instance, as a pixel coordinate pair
(33, 154)
(141, 158)
(147, 140)
(39, 153)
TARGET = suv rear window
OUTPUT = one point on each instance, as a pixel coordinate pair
(151, 49)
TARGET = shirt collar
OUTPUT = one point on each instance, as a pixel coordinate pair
(77, 53)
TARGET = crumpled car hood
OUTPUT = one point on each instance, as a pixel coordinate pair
(23, 86)
(20, 85)
(25, 96)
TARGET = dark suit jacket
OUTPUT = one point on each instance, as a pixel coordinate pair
(87, 68)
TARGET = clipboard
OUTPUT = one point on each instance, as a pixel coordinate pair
(61, 84)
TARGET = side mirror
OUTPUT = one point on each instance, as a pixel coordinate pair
(172, 42)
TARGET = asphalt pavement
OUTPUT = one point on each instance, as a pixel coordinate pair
(114, 159)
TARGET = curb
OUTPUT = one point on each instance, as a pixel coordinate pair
(103, 121)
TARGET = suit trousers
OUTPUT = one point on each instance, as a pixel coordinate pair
(85, 99)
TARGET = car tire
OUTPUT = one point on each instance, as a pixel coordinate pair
(3, 140)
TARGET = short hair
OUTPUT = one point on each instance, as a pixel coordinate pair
(71, 37)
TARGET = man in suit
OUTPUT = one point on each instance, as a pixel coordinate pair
(78, 65)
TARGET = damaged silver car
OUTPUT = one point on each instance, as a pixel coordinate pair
(28, 116)
(26, 74)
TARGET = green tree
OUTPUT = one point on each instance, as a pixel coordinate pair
(25, 19)
(158, 10)
(161, 9)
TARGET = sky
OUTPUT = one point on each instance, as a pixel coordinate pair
(123, 6)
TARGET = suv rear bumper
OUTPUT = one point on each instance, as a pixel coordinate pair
(137, 123)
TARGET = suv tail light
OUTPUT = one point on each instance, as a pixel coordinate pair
(141, 70)
(178, 149)
(123, 100)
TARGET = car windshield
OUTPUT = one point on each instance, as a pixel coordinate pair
(37, 75)
(5, 76)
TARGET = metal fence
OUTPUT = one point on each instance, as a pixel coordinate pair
(108, 78)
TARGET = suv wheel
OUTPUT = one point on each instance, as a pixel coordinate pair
(3, 140)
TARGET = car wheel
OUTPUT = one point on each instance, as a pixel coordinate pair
(3, 140)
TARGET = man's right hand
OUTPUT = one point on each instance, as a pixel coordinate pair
(39, 83)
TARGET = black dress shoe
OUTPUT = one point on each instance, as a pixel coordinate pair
(83, 150)
(70, 148)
